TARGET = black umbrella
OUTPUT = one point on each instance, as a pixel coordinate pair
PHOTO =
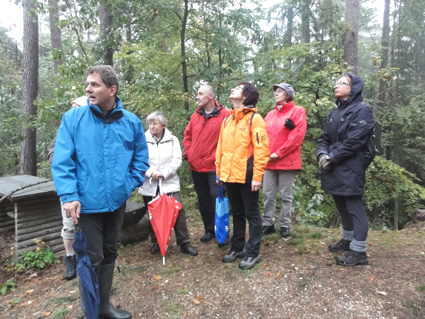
(88, 279)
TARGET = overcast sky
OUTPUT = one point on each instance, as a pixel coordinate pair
(11, 15)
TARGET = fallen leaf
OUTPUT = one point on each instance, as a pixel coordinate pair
(196, 302)
(28, 292)
(269, 274)
(373, 278)
(34, 274)
(200, 297)
(46, 314)
(154, 287)
(278, 274)
(158, 277)
(381, 292)
(371, 244)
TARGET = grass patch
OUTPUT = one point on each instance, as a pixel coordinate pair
(60, 314)
(315, 235)
(172, 271)
(182, 291)
(421, 287)
(172, 308)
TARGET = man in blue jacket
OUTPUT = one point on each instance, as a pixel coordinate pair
(100, 157)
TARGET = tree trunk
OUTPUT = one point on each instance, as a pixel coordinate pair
(352, 34)
(289, 28)
(183, 51)
(106, 19)
(28, 156)
(385, 42)
(55, 35)
(305, 21)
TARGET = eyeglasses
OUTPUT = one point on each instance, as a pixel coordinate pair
(342, 83)
(239, 87)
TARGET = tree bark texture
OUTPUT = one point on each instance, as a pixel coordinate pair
(106, 19)
(183, 51)
(28, 154)
(55, 34)
(352, 34)
(289, 28)
(385, 42)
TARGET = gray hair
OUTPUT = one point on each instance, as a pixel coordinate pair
(107, 74)
(157, 115)
(209, 88)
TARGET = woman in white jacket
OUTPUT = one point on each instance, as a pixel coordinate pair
(165, 158)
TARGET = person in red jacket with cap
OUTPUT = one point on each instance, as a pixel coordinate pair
(286, 127)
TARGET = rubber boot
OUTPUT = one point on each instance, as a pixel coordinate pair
(106, 309)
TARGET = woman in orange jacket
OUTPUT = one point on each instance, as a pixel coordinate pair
(241, 159)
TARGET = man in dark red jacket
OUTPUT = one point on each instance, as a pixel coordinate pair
(200, 143)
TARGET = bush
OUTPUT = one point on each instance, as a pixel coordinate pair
(39, 258)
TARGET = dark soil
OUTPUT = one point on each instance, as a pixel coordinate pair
(297, 278)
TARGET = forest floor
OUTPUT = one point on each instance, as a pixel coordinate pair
(297, 278)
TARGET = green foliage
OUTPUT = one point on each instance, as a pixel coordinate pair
(39, 258)
(387, 181)
(9, 285)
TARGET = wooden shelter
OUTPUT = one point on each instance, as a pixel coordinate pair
(32, 212)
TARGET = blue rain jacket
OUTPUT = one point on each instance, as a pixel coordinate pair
(99, 159)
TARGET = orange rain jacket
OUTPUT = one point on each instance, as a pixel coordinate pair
(243, 147)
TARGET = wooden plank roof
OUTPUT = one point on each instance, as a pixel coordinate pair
(11, 183)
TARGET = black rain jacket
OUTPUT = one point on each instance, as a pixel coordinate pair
(344, 139)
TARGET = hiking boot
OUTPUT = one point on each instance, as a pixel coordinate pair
(155, 249)
(232, 256)
(352, 258)
(70, 267)
(268, 230)
(284, 232)
(207, 237)
(342, 245)
(249, 262)
(188, 249)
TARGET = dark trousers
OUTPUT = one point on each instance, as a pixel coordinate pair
(353, 215)
(207, 190)
(101, 231)
(244, 205)
(180, 228)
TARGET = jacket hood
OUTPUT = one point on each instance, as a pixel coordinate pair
(216, 111)
(166, 135)
(356, 90)
(240, 113)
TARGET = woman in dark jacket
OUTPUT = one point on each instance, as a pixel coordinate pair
(340, 152)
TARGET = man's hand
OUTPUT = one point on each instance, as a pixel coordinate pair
(72, 210)
(273, 157)
(255, 186)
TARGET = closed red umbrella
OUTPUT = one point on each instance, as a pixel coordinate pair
(163, 212)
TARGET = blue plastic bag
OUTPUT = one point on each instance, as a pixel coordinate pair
(221, 217)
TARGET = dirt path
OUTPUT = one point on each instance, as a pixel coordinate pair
(296, 279)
